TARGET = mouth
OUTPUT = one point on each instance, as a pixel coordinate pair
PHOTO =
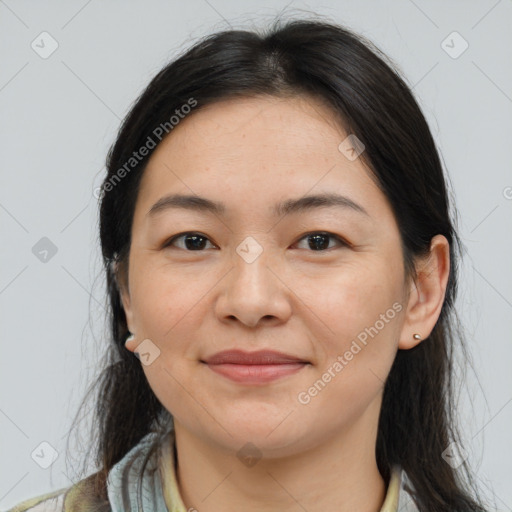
(254, 367)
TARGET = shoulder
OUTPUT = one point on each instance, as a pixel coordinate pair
(79, 497)
(49, 502)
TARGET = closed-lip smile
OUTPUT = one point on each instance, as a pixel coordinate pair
(253, 368)
(259, 357)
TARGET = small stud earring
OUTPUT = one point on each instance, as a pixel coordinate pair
(417, 337)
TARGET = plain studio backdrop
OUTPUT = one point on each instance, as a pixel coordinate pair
(69, 73)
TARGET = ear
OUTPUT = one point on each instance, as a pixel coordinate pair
(124, 292)
(426, 294)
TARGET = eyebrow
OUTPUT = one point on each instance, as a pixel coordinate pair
(289, 206)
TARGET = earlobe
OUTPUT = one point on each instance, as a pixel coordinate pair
(427, 294)
(130, 343)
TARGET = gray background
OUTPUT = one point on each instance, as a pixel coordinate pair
(60, 115)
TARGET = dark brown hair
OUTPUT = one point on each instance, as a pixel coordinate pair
(363, 88)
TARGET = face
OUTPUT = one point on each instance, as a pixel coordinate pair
(323, 283)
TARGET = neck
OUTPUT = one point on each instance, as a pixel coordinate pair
(339, 474)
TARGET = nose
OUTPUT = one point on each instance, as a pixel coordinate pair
(254, 292)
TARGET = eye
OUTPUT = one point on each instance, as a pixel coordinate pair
(192, 241)
(319, 242)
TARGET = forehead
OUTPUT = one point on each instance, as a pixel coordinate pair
(245, 125)
(258, 149)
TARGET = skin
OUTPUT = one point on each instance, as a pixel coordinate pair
(250, 154)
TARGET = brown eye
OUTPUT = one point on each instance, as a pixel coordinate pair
(191, 241)
(319, 242)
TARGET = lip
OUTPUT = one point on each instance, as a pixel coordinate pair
(260, 357)
(254, 367)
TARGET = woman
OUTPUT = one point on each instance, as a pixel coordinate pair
(280, 259)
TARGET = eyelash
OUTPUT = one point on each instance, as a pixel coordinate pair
(342, 242)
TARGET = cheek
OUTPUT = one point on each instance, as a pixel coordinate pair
(356, 357)
(362, 315)
(163, 299)
(354, 301)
